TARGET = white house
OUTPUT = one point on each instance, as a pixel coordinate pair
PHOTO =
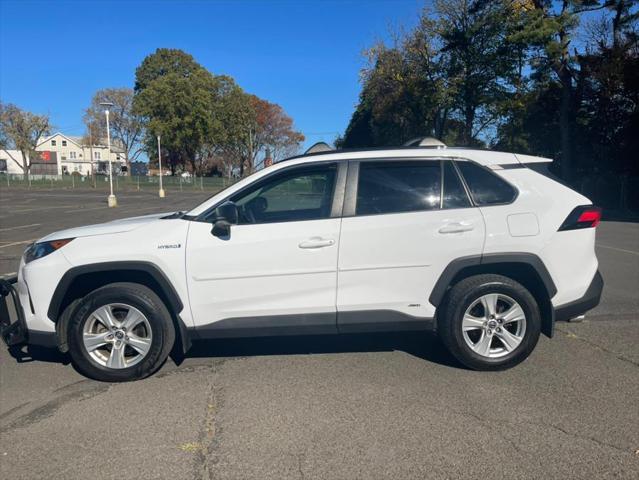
(61, 154)
(74, 155)
(8, 159)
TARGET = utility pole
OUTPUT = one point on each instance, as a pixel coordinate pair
(93, 172)
(111, 200)
(160, 165)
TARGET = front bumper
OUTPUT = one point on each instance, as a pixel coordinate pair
(12, 332)
(13, 323)
(580, 306)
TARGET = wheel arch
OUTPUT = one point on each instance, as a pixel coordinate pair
(525, 268)
(78, 281)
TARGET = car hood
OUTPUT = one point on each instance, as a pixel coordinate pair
(115, 226)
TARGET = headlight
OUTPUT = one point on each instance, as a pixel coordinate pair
(42, 249)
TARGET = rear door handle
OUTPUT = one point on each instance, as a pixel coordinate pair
(317, 242)
(456, 227)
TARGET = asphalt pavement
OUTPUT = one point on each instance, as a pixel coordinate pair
(353, 406)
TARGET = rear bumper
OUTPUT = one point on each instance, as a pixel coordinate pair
(13, 326)
(580, 306)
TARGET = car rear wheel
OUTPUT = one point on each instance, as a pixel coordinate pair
(120, 332)
(489, 322)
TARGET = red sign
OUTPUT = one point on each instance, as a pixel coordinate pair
(46, 156)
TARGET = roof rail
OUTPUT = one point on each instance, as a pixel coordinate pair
(319, 147)
(425, 142)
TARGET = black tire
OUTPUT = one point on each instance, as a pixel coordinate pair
(144, 300)
(462, 295)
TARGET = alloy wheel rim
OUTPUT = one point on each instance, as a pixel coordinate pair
(494, 325)
(117, 336)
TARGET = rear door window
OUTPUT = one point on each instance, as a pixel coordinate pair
(395, 187)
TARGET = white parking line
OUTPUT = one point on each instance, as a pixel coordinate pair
(39, 209)
(617, 249)
(21, 226)
(17, 243)
(103, 207)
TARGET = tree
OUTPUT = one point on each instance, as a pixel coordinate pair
(127, 128)
(550, 27)
(254, 126)
(175, 97)
(162, 62)
(580, 107)
(22, 130)
(448, 77)
(273, 130)
(481, 61)
(608, 91)
(397, 103)
(178, 109)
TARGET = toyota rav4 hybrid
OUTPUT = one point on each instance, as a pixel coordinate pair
(483, 247)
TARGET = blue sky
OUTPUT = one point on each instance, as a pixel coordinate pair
(304, 55)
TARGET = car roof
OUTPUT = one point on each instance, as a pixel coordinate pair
(483, 157)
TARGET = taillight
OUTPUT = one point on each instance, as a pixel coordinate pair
(586, 216)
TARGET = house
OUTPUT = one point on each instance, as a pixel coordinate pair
(73, 154)
(11, 162)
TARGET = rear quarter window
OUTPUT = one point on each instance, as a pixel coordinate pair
(486, 187)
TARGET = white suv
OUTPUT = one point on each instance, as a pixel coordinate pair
(480, 246)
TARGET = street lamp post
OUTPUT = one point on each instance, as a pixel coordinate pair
(160, 165)
(112, 201)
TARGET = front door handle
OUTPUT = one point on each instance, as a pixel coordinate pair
(456, 227)
(317, 242)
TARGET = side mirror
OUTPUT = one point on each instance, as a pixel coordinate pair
(227, 215)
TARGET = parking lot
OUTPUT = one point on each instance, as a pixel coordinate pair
(360, 406)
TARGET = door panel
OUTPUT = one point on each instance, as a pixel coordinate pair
(261, 270)
(391, 262)
(278, 268)
(404, 223)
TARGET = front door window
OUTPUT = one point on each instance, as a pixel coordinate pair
(304, 193)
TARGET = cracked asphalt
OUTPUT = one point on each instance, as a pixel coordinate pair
(356, 406)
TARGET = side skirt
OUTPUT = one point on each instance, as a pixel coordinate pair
(312, 324)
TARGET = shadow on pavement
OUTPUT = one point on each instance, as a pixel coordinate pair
(31, 353)
(419, 344)
(422, 345)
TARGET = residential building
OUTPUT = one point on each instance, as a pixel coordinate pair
(11, 162)
(74, 155)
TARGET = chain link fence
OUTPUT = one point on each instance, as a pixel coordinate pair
(120, 183)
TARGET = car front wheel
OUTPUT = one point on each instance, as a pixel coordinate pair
(490, 322)
(120, 332)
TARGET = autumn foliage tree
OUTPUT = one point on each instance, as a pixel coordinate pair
(201, 116)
